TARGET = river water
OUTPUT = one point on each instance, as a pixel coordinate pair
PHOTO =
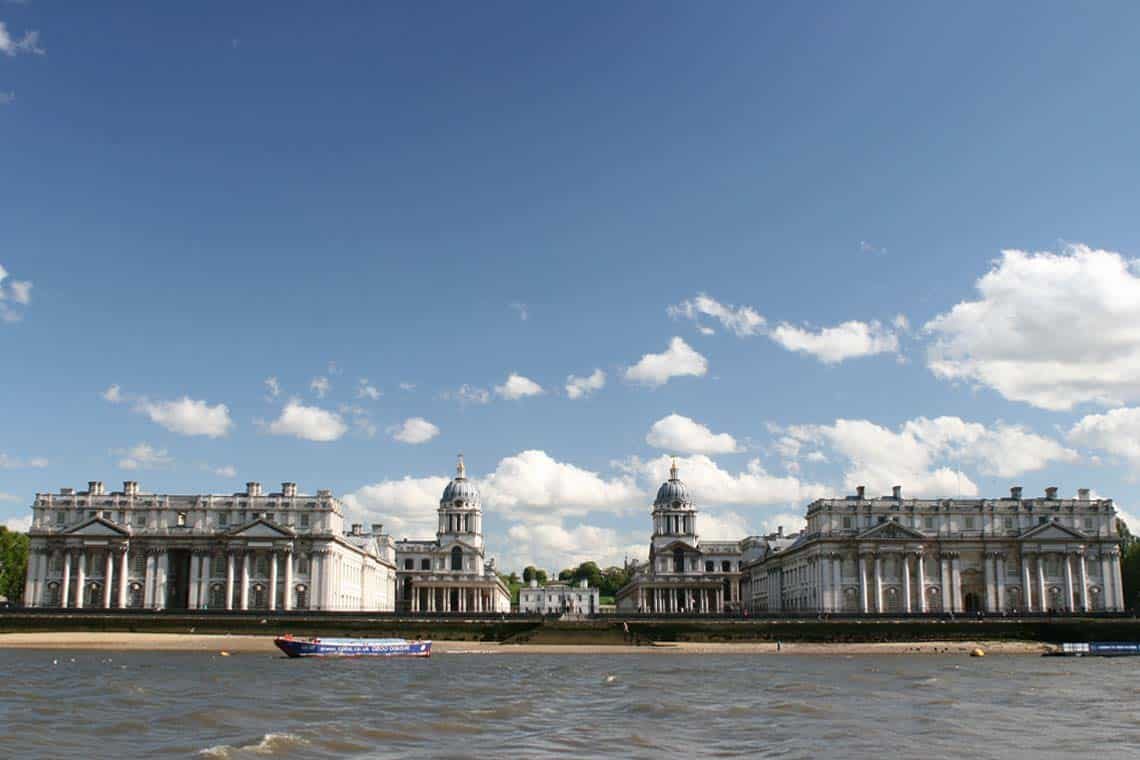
(86, 704)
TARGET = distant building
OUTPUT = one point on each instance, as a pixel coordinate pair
(560, 599)
(450, 573)
(896, 555)
(683, 574)
(241, 551)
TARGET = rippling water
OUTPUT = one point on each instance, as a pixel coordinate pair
(100, 704)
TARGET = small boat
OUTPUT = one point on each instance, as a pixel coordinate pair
(352, 647)
(1097, 649)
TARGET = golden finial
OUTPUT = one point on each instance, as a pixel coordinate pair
(460, 468)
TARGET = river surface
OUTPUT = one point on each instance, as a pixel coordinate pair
(86, 704)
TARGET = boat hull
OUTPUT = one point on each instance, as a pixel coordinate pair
(1098, 649)
(352, 647)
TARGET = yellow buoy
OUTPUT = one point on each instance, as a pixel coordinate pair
(978, 652)
(224, 653)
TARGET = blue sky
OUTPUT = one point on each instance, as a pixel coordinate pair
(441, 195)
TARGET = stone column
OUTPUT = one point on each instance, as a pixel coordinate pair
(32, 582)
(947, 594)
(273, 580)
(1083, 578)
(1042, 598)
(1068, 582)
(999, 567)
(204, 580)
(987, 564)
(148, 579)
(879, 583)
(124, 572)
(837, 586)
(1117, 584)
(906, 582)
(956, 582)
(65, 588)
(863, 603)
(195, 578)
(246, 559)
(824, 583)
(80, 578)
(1026, 584)
(1108, 595)
(108, 576)
(229, 580)
(288, 597)
(919, 560)
(160, 577)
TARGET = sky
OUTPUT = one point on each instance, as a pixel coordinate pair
(800, 247)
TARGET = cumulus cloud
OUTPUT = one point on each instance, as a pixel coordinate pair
(1050, 329)
(711, 484)
(14, 295)
(407, 506)
(320, 386)
(742, 321)
(467, 394)
(532, 484)
(414, 430)
(142, 456)
(309, 423)
(188, 416)
(678, 433)
(407, 386)
(18, 524)
(226, 471)
(1116, 432)
(554, 546)
(272, 387)
(16, 463)
(678, 360)
(114, 394)
(29, 43)
(364, 389)
(832, 345)
(580, 387)
(924, 455)
(517, 387)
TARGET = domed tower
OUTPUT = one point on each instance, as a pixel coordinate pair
(674, 515)
(460, 511)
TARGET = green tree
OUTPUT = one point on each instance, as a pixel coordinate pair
(1129, 564)
(13, 563)
(540, 576)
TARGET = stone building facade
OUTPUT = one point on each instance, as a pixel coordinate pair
(451, 573)
(894, 555)
(683, 574)
(241, 551)
(560, 599)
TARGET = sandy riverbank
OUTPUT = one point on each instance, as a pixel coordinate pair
(184, 642)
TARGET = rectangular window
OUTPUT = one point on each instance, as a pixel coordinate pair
(1007, 523)
(181, 520)
(425, 564)
(409, 564)
(971, 523)
(60, 517)
(708, 567)
(1088, 523)
(846, 523)
(107, 515)
(304, 520)
(928, 523)
(140, 521)
(91, 513)
(223, 519)
(303, 565)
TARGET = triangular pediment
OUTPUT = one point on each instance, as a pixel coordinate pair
(461, 544)
(261, 529)
(890, 529)
(678, 544)
(97, 526)
(1053, 531)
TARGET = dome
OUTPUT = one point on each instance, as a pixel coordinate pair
(673, 492)
(460, 489)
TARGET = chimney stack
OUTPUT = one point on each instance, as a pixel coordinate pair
(377, 529)
(860, 491)
(95, 487)
(289, 489)
(1051, 492)
(1015, 493)
(1083, 494)
(897, 491)
(356, 528)
(252, 489)
(779, 530)
(130, 488)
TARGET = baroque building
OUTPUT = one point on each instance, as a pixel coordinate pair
(451, 573)
(241, 551)
(683, 575)
(896, 555)
(560, 598)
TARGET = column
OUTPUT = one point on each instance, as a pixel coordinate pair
(1117, 584)
(956, 581)
(947, 596)
(1026, 584)
(229, 580)
(920, 561)
(273, 580)
(999, 567)
(288, 598)
(32, 583)
(1083, 578)
(124, 571)
(80, 578)
(108, 575)
(987, 564)
(204, 580)
(246, 559)
(1107, 592)
(195, 561)
(148, 580)
(863, 584)
(1042, 599)
(837, 586)
(906, 583)
(824, 584)
(161, 572)
(879, 583)
(65, 589)
(1068, 558)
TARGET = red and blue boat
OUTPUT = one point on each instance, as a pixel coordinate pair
(352, 647)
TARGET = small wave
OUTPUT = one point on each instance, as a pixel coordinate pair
(270, 744)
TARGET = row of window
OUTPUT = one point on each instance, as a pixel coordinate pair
(970, 523)
(181, 519)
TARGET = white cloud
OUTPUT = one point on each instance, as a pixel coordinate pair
(272, 387)
(710, 484)
(678, 360)
(925, 455)
(29, 43)
(468, 395)
(832, 345)
(553, 546)
(142, 456)
(226, 471)
(114, 394)
(332, 370)
(414, 430)
(1116, 432)
(361, 419)
(188, 416)
(532, 485)
(866, 247)
(320, 386)
(19, 524)
(15, 463)
(517, 387)
(579, 387)
(1051, 329)
(407, 386)
(407, 506)
(310, 423)
(742, 321)
(364, 389)
(14, 292)
(7, 98)
(678, 433)
(521, 309)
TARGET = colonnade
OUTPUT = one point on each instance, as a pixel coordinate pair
(675, 599)
(438, 598)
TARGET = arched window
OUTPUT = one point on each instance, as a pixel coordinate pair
(302, 598)
(678, 561)
(457, 559)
